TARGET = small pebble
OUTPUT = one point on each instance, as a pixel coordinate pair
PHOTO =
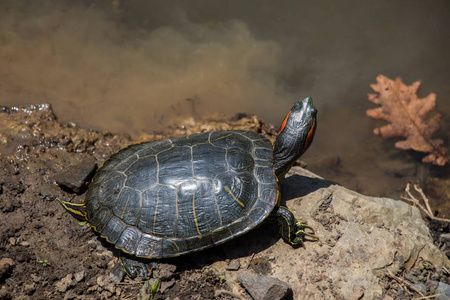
(35, 278)
(356, 295)
(420, 287)
(164, 272)
(92, 289)
(234, 265)
(66, 283)
(165, 285)
(106, 283)
(262, 287)
(6, 265)
(24, 244)
(80, 276)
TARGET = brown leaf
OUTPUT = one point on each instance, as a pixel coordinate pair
(407, 115)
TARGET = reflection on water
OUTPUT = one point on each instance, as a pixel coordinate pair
(130, 66)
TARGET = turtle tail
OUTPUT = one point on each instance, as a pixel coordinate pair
(78, 210)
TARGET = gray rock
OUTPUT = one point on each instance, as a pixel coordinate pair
(443, 290)
(262, 287)
(360, 236)
(77, 174)
(420, 287)
(234, 265)
(117, 273)
(80, 276)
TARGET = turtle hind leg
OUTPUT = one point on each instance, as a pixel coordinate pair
(292, 231)
(78, 210)
(135, 266)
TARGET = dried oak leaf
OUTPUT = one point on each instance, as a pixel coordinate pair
(407, 115)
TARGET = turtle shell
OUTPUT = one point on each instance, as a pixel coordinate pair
(170, 197)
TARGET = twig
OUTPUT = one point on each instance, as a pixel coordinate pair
(430, 297)
(390, 274)
(250, 262)
(416, 202)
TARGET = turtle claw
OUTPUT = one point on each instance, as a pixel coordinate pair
(302, 230)
(293, 232)
(135, 267)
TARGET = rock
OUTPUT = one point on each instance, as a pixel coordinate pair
(64, 284)
(80, 276)
(261, 265)
(166, 285)
(106, 294)
(262, 287)
(29, 288)
(6, 266)
(78, 172)
(70, 295)
(443, 290)
(117, 273)
(420, 287)
(360, 236)
(164, 272)
(356, 295)
(24, 244)
(106, 283)
(234, 265)
(92, 288)
(35, 278)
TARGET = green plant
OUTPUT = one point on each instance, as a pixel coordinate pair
(222, 279)
(148, 291)
(425, 266)
(44, 262)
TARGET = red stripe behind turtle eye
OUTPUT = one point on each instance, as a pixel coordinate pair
(310, 133)
(284, 122)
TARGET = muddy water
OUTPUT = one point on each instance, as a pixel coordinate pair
(132, 67)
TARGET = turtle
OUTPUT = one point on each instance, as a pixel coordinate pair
(170, 197)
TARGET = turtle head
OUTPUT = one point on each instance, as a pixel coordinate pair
(295, 136)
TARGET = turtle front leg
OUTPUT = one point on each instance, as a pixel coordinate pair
(291, 231)
(135, 267)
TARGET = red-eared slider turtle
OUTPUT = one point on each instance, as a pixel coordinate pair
(171, 197)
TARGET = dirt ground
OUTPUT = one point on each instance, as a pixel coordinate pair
(47, 254)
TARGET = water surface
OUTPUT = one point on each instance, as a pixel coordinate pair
(129, 66)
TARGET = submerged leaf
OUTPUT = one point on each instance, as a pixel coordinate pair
(408, 117)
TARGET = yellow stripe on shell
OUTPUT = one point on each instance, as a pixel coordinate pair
(195, 215)
(234, 197)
